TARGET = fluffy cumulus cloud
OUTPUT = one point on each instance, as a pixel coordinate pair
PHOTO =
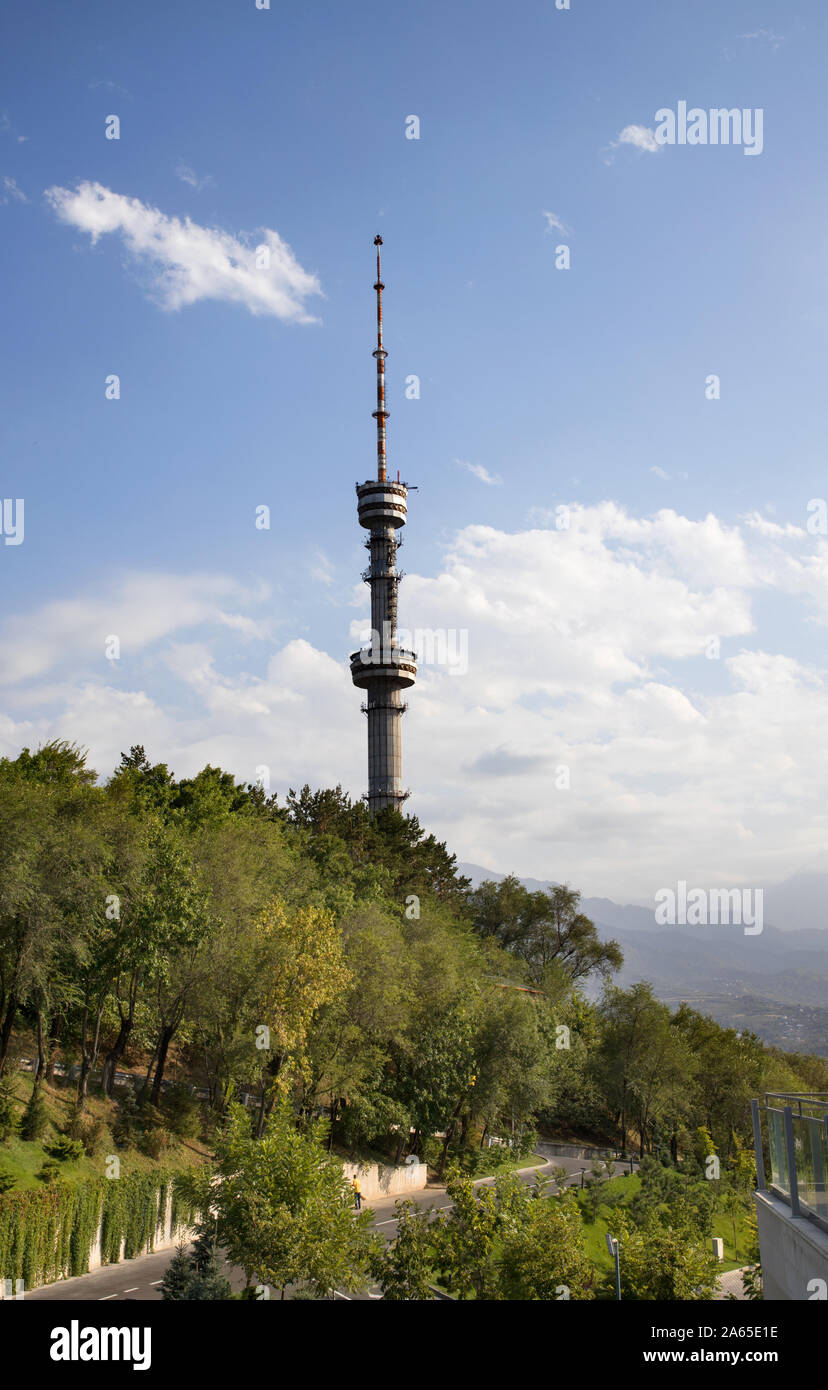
(139, 611)
(611, 714)
(188, 262)
(641, 137)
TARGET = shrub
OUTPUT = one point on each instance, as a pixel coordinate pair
(35, 1119)
(181, 1110)
(85, 1128)
(149, 1116)
(64, 1148)
(90, 1134)
(209, 1124)
(8, 1113)
(7, 1181)
(155, 1142)
(125, 1124)
(50, 1171)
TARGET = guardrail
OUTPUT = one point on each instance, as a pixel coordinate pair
(794, 1129)
(551, 1149)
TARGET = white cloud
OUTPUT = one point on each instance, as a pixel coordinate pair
(11, 192)
(140, 610)
(555, 224)
(757, 522)
(189, 262)
(322, 569)
(638, 135)
(765, 36)
(189, 176)
(482, 474)
(659, 472)
(586, 649)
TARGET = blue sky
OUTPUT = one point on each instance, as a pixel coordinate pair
(581, 387)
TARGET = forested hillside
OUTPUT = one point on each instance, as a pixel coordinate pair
(198, 931)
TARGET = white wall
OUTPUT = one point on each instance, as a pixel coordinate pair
(794, 1252)
(377, 1180)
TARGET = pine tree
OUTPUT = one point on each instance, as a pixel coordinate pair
(207, 1280)
(178, 1280)
(35, 1119)
(8, 1111)
(211, 1284)
(125, 1124)
(203, 1253)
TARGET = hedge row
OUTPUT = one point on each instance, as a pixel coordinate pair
(47, 1233)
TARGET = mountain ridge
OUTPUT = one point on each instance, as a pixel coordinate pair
(775, 983)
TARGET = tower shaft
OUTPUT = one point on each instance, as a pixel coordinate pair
(383, 670)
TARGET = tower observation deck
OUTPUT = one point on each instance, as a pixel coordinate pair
(383, 669)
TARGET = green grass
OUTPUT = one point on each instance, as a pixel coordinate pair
(23, 1159)
(491, 1169)
(595, 1232)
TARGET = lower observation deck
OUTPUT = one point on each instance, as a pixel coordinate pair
(381, 503)
(394, 666)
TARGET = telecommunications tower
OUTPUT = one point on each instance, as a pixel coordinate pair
(383, 670)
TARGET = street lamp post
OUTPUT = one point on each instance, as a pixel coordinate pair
(612, 1246)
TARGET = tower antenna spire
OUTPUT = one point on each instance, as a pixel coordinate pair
(380, 414)
(384, 670)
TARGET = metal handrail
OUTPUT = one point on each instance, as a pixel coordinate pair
(791, 1194)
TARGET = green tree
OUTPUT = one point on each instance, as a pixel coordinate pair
(283, 1207)
(728, 1073)
(50, 856)
(466, 1241)
(545, 929)
(300, 966)
(35, 1119)
(168, 915)
(178, 1276)
(662, 1263)
(544, 1258)
(404, 1269)
(207, 1282)
(645, 1064)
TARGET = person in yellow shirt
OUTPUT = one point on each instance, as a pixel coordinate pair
(357, 1193)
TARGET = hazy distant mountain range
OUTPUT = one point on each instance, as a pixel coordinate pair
(775, 983)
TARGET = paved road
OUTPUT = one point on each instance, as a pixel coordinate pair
(138, 1280)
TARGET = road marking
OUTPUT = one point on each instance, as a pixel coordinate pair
(107, 1297)
(390, 1222)
(337, 1294)
(133, 1290)
(156, 1281)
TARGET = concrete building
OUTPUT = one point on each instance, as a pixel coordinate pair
(383, 669)
(792, 1195)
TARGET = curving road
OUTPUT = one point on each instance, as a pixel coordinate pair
(138, 1280)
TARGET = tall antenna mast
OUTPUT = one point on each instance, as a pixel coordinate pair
(385, 669)
(380, 414)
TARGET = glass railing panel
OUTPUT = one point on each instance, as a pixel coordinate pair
(777, 1150)
(811, 1154)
